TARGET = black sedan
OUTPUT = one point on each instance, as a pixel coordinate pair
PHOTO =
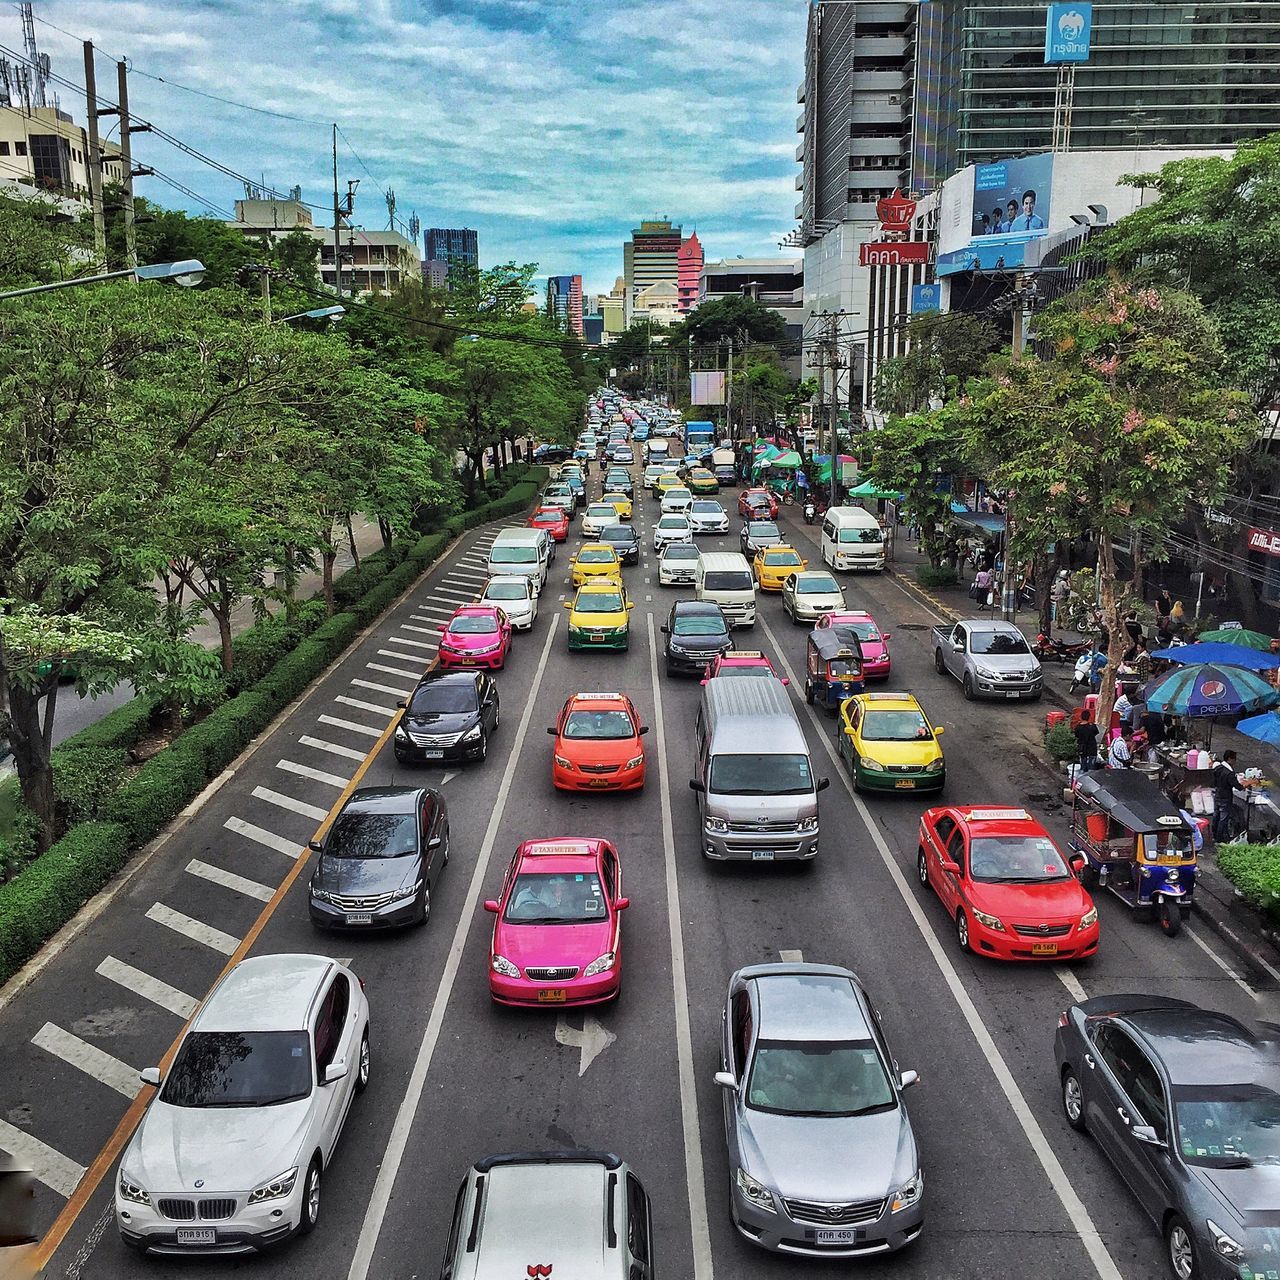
(552, 453)
(448, 718)
(696, 632)
(380, 858)
(624, 540)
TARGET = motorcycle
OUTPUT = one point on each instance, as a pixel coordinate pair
(1046, 647)
(1088, 671)
(810, 512)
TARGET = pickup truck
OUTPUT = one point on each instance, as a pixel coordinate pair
(990, 658)
(722, 463)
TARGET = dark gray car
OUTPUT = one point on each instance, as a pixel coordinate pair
(696, 632)
(822, 1156)
(624, 540)
(1185, 1103)
(380, 858)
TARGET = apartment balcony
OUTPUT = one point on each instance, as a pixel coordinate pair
(799, 181)
(799, 210)
(879, 81)
(800, 92)
(880, 47)
(876, 146)
(800, 153)
(800, 123)
(874, 179)
(888, 109)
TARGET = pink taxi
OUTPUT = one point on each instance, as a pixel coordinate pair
(742, 662)
(478, 635)
(557, 939)
(874, 642)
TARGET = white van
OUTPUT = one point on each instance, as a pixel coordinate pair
(523, 551)
(852, 539)
(657, 450)
(724, 578)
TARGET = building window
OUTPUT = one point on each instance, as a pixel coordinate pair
(19, 148)
(4, 148)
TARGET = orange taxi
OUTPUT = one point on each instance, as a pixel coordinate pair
(598, 745)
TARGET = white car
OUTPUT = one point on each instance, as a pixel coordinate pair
(679, 564)
(596, 517)
(515, 596)
(676, 501)
(671, 529)
(708, 516)
(230, 1154)
(807, 596)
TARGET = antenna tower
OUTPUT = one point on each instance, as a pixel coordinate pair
(39, 61)
(391, 209)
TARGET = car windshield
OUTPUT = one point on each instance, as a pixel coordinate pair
(599, 725)
(239, 1069)
(599, 602)
(372, 835)
(737, 669)
(776, 558)
(548, 517)
(997, 642)
(474, 624)
(727, 580)
(1016, 860)
(707, 508)
(556, 898)
(673, 522)
(863, 630)
(820, 586)
(819, 1078)
(698, 624)
(602, 511)
(596, 555)
(862, 535)
(761, 775)
(434, 699)
(762, 529)
(681, 551)
(507, 591)
(1228, 1125)
(617, 533)
(896, 726)
(513, 555)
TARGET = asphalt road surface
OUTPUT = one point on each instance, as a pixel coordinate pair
(1010, 1189)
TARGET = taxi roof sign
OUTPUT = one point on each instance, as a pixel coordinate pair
(600, 696)
(742, 653)
(888, 697)
(549, 849)
(998, 815)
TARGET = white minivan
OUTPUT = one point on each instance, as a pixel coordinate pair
(852, 539)
(523, 551)
(724, 578)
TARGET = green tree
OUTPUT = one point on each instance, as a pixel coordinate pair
(726, 318)
(38, 242)
(944, 352)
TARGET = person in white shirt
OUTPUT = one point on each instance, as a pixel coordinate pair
(1120, 756)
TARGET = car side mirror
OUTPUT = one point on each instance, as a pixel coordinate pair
(150, 1075)
(695, 785)
(939, 730)
(1145, 1134)
(785, 680)
(552, 730)
(622, 904)
(568, 604)
(402, 703)
(644, 728)
(886, 635)
(335, 1071)
(316, 846)
(631, 604)
(726, 1080)
(907, 1079)
(823, 784)
(491, 906)
(952, 868)
(666, 630)
(1078, 863)
(958, 646)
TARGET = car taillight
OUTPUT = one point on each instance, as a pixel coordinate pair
(1063, 1020)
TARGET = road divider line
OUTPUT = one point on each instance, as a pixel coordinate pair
(1071, 982)
(149, 988)
(1089, 1234)
(695, 1179)
(315, 775)
(368, 730)
(1222, 964)
(192, 928)
(398, 1139)
(229, 880)
(288, 802)
(58, 1172)
(333, 748)
(260, 835)
(377, 708)
(88, 1058)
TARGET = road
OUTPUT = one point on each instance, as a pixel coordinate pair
(455, 1078)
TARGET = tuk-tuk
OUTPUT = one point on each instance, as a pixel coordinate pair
(833, 670)
(1135, 842)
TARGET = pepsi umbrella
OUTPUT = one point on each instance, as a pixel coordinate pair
(1220, 654)
(1266, 728)
(1208, 689)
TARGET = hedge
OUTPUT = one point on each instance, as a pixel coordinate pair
(1254, 869)
(124, 727)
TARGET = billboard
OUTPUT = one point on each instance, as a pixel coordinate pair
(893, 253)
(1011, 200)
(707, 388)
(1067, 31)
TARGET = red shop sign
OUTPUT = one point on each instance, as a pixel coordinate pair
(1265, 540)
(893, 253)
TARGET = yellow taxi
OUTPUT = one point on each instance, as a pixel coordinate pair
(668, 481)
(620, 502)
(702, 481)
(600, 616)
(594, 561)
(889, 744)
(774, 565)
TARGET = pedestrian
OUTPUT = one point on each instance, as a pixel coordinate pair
(1123, 706)
(1120, 756)
(981, 589)
(1177, 621)
(1132, 625)
(1197, 836)
(1164, 603)
(1087, 741)
(1058, 594)
(1140, 662)
(1154, 727)
(1224, 796)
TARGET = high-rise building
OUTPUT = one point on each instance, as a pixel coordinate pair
(688, 268)
(564, 302)
(457, 247)
(776, 283)
(613, 307)
(650, 257)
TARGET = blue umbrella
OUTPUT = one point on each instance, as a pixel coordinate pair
(1266, 728)
(1207, 689)
(1221, 654)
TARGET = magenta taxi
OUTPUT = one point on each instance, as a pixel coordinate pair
(873, 641)
(476, 636)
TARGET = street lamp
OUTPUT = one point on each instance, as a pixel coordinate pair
(187, 273)
(319, 313)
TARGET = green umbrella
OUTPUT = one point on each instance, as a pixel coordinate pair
(868, 489)
(1238, 635)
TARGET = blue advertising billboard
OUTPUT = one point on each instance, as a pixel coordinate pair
(1011, 199)
(1067, 32)
(925, 298)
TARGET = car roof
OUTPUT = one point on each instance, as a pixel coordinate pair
(776, 548)
(815, 573)
(887, 701)
(996, 820)
(1200, 1046)
(795, 1005)
(265, 993)
(475, 610)
(442, 676)
(597, 586)
(545, 1212)
(683, 548)
(595, 546)
(599, 700)
(704, 608)
(522, 578)
(384, 800)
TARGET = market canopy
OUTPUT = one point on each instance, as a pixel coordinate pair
(1207, 689)
(1266, 728)
(1240, 636)
(984, 520)
(869, 489)
(1232, 655)
(789, 459)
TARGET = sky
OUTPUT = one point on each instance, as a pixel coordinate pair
(551, 126)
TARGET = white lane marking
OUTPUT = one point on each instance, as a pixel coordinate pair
(1090, 1237)
(453, 773)
(88, 1058)
(464, 576)
(695, 1182)
(413, 644)
(316, 775)
(1071, 982)
(377, 688)
(149, 988)
(288, 802)
(398, 1139)
(591, 1041)
(431, 608)
(268, 839)
(196, 930)
(1257, 959)
(333, 748)
(1221, 963)
(466, 597)
(229, 880)
(401, 656)
(392, 671)
(791, 957)
(376, 708)
(419, 631)
(367, 730)
(58, 1172)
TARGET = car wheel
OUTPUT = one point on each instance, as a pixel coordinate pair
(426, 905)
(311, 1197)
(484, 745)
(966, 687)
(362, 1069)
(962, 930)
(922, 868)
(1180, 1248)
(1073, 1100)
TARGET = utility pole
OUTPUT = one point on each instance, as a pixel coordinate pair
(126, 160)
(94, 157)
(1019, 315)
(834, 498)
(337, 248)
(728, 404)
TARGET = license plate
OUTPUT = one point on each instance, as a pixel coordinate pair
(905, 784)
(554, 995)
(360, 917)
(597, 782)
(197, 1235)
(597, 639)
(762, 855)
(829, 1235)
(1012, 693)
(1044, 948)
(433, 755)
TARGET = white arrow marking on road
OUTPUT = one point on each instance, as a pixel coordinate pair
(447, 776)
(593, 1040)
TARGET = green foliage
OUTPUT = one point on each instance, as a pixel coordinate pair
(19, 831)
(124, 727)
(935, 578)
(83, 779)
(157, 792)
(730, 317)
(1254, 869)
(37, 244)
(1060, 743)
(261, 646)
(944, 352)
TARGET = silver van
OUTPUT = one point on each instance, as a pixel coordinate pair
(580, 1213)
(724, 577)
(521, 551)
(757, 794)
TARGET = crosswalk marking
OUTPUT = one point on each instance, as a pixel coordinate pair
(268, 839)
(466, 575)
(229, 880)
(88, 1058)
(149, 988)
(420, 631)
(378, 688)
(191, 928)
(333, 748)
(431, 608)
(416, 644)
(58, 1172)
(288, 802)
(392, 671)
(316, 775)
(404, 657)
(374, 707)
(367, 730)
(463, 597)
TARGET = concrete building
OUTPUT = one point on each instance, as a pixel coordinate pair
(435, 273)
(689, 262)
(777, 283)
(457, 247)
(613, 307)
(650, 257)
(564, 302)
(593, 329)
(46, 150)
(658, 304)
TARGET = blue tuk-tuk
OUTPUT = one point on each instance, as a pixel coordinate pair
(1135, 842)
(833, 667)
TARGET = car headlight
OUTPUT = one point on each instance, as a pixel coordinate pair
(1172, 875)
(322, 895)
(757, 1194)
(807, 824)
(992, 922)
(599, 965)
(634, 763)
(275, 1188)
(562, 762)
(717, 824)
(472, 734)
(131, 1191)
(1223, 1243)
(908, 1194)
(1090, 917)
(987, 674)
(934, 766)
(401, 731)
(870, 765)
(406, 891)
(500, 964)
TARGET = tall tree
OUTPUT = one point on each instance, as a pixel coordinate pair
(725, 318)
(943, 352)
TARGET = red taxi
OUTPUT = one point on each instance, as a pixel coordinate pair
(874, 643)
(597, 745)
(555, 520)
(757, 499)
(557, 939)
(742, 662)
(478, 635)
(1010, 890)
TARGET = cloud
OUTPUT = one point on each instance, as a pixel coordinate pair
(551, 128)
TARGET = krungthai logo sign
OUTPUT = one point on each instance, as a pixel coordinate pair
(1068, 29)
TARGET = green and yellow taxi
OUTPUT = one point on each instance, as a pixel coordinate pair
(620, 503)
(890, 744)
(772, 566)
(702, 481)
(594, 561)
(600, 616)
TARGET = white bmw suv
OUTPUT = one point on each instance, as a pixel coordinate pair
(230, 1154)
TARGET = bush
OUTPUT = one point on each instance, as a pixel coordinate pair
(1254, 869)
(125, 727)
(935, 579)
(158, 791)
(429, 549)
(38, 902)
(1060, 742)
(258, 649)
(83, 778)
(21, 837)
